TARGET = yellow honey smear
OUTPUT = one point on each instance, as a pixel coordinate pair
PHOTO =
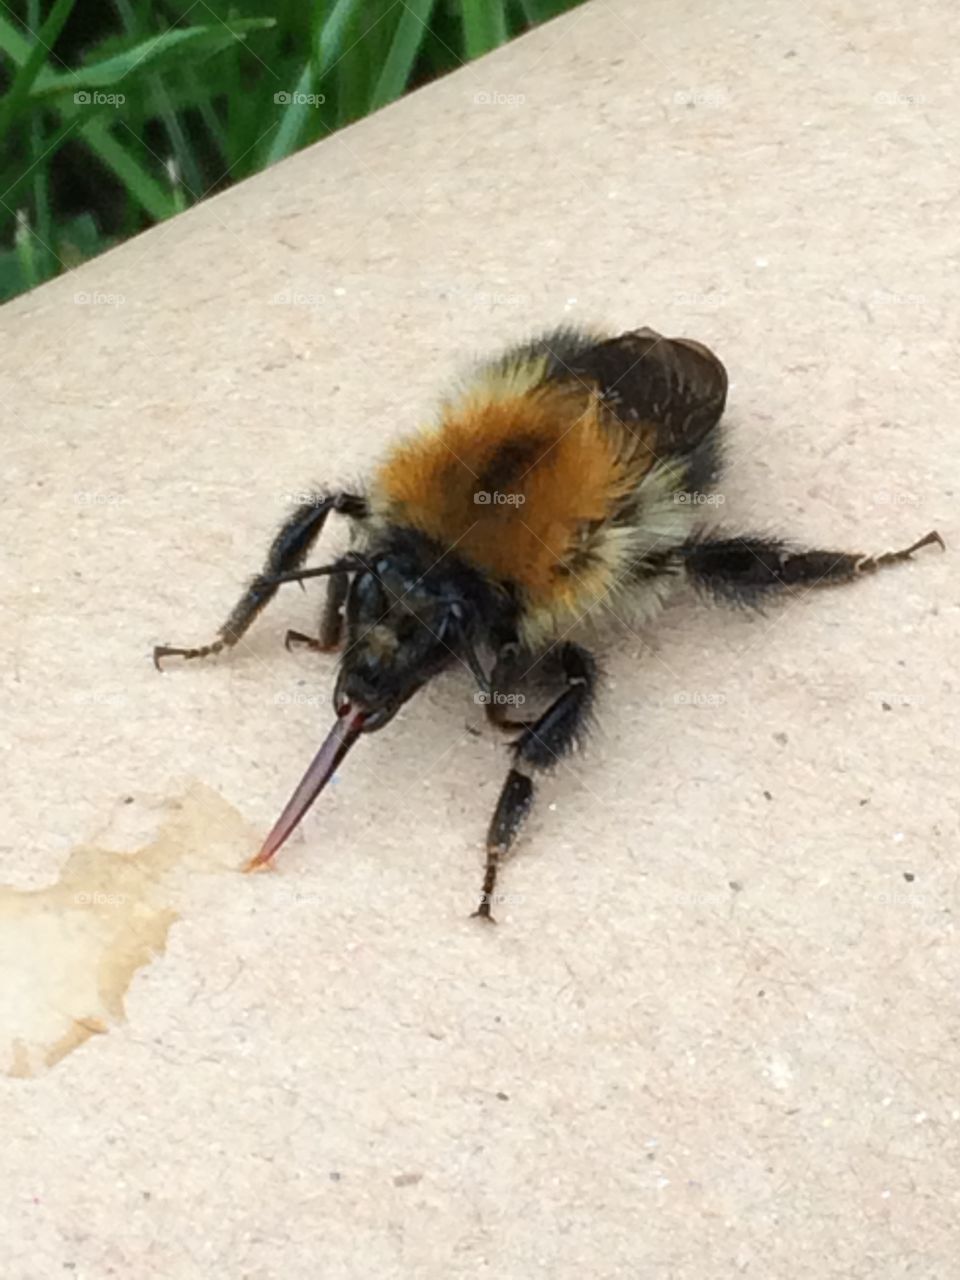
(68, 953)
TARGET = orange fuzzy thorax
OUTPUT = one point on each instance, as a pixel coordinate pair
(560, 465)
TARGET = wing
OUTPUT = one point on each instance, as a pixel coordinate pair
(675, 383)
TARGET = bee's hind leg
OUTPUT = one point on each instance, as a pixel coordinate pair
(746, 569)
(541, 744)
(287, 552)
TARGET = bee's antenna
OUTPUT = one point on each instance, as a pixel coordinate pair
(346, 564)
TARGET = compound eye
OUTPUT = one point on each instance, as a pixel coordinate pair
(367, 597)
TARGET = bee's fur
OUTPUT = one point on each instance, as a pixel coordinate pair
(542, 476)
(553, 487)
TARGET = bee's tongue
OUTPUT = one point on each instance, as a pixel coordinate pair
(340, 739)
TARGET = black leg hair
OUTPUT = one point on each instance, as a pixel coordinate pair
(540, 745)
(288, 550)
(744, 570)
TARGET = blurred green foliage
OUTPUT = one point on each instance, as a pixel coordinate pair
(113, 116)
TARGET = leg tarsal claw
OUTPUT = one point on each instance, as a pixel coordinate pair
(928, 540)
(297, 637)
(869, 563)
(310, 642)
(483, 912)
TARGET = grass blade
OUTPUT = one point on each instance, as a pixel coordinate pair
(407, 40)
(537, 11)
(154, 198)
(167, 48)
(484, 26)
(330, 36)
(30, 68)
(295, 117)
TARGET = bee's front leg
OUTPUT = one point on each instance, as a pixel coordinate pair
(287, 552)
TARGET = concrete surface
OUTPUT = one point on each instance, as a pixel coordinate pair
(715, 1033)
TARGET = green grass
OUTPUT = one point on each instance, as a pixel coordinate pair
(117, 115)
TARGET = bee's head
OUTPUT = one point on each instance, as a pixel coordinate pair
(407, 617)
(403, 626)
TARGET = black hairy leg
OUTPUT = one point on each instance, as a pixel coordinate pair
(541, 743)
(744, 570)
(288, 550)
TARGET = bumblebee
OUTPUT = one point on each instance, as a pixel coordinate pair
(561, 485)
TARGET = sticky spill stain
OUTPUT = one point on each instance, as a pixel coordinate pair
(68, 953)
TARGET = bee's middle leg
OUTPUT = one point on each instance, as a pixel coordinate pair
(541, 744)
(331, 619)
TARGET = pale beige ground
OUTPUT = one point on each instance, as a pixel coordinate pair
(716, 1033)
